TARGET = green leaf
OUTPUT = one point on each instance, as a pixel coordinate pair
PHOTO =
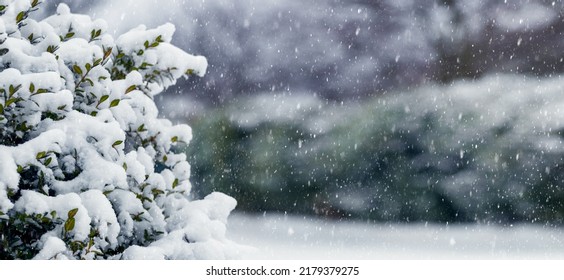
(98, 32)
(175, 183)
(130, 89)
(97, 61)
(54, 214)
(174, 139)
(20, 17)
(154, 45)
(77, 69)
(114, 103)
(41, 155)
(1, 109)
(156, 192)
(41, 90)
(31, 87)
(144, 65)
(48, 161)
(117, 143)
(22, 127)
(125, 166)
(12, 100)
(146, 44)
(141, 128)
(88, 67)
(103, 98)
(61, 107)
(159, 39)
(69, 35)
(76, 246)
(190, 72)
(69, 224)
(13, 89)
(34, 3)
(52, 49)
(2, 8)
(72, 213)
(20, 169)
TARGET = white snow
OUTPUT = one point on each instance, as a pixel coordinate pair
(277, 236)
(52, 247)
(102, 216)
(530, 16)
(10, 178)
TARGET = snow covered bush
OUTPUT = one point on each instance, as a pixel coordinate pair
(87, 170)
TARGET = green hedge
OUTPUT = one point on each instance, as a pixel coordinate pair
(471, 152)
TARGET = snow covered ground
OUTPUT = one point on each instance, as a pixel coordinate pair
(277, 236)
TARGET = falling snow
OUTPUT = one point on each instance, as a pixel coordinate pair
(347, 129)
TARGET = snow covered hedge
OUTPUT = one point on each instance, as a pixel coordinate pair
(87, 170)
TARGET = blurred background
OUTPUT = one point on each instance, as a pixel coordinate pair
(379, 110)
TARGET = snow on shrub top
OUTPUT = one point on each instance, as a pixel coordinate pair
(87, 170)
